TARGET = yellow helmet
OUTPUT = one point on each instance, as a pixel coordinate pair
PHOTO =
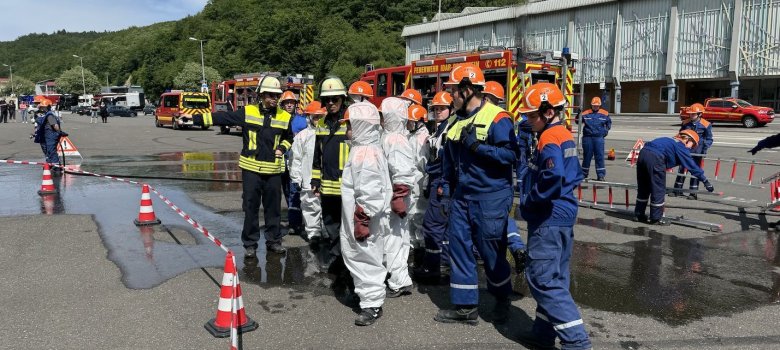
(332, 86)
(269, 84)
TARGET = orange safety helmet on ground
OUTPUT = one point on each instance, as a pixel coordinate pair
(466, 72)
(361, 88)
(695, 108)
(540, 93)
(596, 101)
(287, 95)
(315, 107)
(411, 95)
(691, 134)
(418, 113)
(495, 89)
(442, 98)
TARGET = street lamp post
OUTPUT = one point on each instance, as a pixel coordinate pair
(202, 63)
(83, 84)
(11, 70)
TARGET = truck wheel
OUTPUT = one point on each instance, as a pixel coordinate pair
(224, 130)
(749, 121)
(175, 125)
(157, 123)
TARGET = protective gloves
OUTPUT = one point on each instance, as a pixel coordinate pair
(361, 224)
(469, 139)
(709, 186)
(296, 187)
(397, 204)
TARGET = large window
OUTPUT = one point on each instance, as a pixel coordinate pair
(171, 101)
(382, 85)
(399, 78)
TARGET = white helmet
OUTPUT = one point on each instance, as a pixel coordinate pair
(269, 84)
(333, 86)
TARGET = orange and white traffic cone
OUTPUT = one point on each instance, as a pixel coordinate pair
(146, 214)
(47, 185)
(220, 325)
(611, 154)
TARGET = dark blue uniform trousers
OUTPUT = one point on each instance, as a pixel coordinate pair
(548, 275)
(680, 181)
(651, 180)
(434, 226)
(481, 224)
(593, 146)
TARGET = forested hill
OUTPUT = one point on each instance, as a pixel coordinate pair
(293, 36)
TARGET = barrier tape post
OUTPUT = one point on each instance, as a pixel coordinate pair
(627, 204)
(717, 168)
(579, 192)
(734, 170)
(595, 195)
(750, 174)
(610, 197)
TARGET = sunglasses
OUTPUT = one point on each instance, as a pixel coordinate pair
(272, 95)
(331, 99)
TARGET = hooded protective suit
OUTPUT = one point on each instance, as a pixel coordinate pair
(366, 191)
(400, 159)
(300, 173)
(421, 149)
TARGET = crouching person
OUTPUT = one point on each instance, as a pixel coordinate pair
(366, 192)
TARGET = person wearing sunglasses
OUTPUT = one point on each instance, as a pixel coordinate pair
(267, 135)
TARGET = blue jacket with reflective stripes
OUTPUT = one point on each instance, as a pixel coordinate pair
(596, 124)
(675, 154)
(704, 129)
(554, 172)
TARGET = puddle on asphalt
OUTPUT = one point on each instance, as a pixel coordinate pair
(670, 279)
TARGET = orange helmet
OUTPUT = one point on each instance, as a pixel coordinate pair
(495, 89)
(315, 107)
(287, 95)
(412, 95)
(596, 101)
(442, 98)
(466, 72)
(540, 93)
(695, 108)
(44, 103)
(691, 134)
(361, 88)
(418, 113)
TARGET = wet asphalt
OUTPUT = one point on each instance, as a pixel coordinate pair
(638, 286)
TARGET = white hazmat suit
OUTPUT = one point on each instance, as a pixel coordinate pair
(365, 187)
(421, 149)
(300, 173)
(400, 159)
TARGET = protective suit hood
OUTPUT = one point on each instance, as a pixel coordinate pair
(395, 112)
(364, 118)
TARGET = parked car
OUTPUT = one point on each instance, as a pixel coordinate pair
(176, 104)
(734, 110)
(149, 109)
(120, 111)
(81, 110)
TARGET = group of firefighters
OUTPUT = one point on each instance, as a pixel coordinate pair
(368, 184)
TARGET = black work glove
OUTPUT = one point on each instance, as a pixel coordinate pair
(470, 140)
(296, 188)
(63, 134)
(709, 186)
(755, 150)
(427, 192)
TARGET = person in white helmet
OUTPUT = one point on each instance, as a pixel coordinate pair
(300, 171)
(418, 137)
(400, 159)
(366, 192)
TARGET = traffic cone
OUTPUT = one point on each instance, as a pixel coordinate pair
(220, 325)
(611, 154)
(47, 185)
(146, 214)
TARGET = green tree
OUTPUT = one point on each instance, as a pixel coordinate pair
(70, 82)
(190, 77)
(21, 86)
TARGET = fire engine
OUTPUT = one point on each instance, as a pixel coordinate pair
(230, 95)
(499, 64)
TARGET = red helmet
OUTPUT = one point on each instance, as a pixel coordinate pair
(442, 98)
(412, 95)
(541, 93)
(495, 89)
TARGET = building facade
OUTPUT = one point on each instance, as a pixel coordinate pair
(649, 56)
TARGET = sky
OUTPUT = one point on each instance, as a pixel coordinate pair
(21, 17)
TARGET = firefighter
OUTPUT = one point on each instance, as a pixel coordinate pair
(480, 152)
(657, 156)
(437, 192)
(494, 93)
(595, 127)
(292, 197)
(418, 137)
(550, 209)
(300, 171)
(47, 133)
(412, 96)
(267, 135)
(703, 128)
(331, 150)
(360, 91)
